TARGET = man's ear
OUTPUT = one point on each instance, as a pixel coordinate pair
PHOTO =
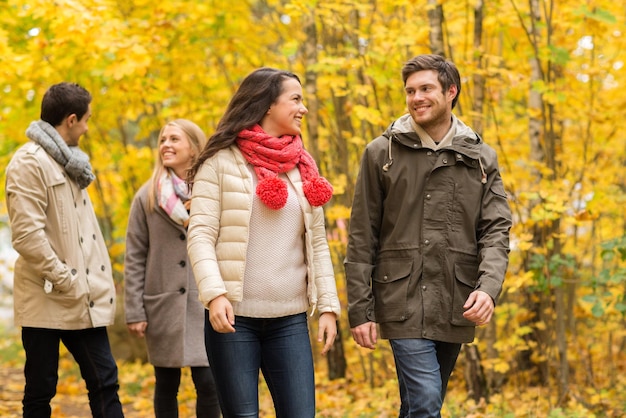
(71, 120)
(452, 92)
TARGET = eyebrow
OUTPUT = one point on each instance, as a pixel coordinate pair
(420, 86)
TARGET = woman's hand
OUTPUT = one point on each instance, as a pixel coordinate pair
(221, 315)
(328, 327)
(138, 328)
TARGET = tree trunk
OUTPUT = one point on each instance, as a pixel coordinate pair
(479, 80)
(336, 357)
(544, 146)
(475, 380)
(435, 18)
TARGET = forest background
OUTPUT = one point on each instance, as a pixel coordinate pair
(543, 83)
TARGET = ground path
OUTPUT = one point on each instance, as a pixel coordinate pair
(66, 404)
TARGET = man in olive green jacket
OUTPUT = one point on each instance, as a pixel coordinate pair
(429, 237)
(63, 285)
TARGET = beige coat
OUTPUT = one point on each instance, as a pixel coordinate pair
(56, 233)
(218, 233)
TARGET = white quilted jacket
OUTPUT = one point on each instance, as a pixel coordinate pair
(218, 233)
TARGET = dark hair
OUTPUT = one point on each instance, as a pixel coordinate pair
(62, 100)
(257, 92)
(448, 74)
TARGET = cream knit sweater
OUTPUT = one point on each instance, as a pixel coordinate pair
(274, 282)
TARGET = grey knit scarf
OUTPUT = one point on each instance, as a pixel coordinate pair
(75, 161)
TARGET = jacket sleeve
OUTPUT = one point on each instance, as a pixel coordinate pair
(135, 261)
(493, 229)
(327, 299)
(363, 237)
(203, 232)
(27, 201)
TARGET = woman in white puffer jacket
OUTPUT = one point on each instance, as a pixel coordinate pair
(258, 249)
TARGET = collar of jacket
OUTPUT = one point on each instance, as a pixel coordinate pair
(465, 141)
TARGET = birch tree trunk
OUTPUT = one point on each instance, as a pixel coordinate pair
(545, 145)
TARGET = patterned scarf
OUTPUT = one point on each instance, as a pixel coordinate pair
(270, 156)
(172, 193)
(75, 162)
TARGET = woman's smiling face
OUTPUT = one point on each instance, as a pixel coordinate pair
(284, 116)
(175, 150)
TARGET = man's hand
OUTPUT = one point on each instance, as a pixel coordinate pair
(479, 307)
(328, 327)
(365, 335)
(221, 315)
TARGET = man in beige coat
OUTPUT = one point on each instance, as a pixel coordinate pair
(63, 284)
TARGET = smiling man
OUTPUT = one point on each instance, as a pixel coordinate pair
(63, 284)
(429, 237)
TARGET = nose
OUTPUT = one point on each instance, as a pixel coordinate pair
(303, 109)
(419, 95)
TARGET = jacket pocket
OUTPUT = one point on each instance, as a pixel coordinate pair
(72, 294)
(390, 285)
(59, 190)
(465, 281)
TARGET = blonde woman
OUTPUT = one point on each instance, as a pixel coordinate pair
(161, 297)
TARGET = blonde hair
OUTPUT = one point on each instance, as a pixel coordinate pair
(197, 141)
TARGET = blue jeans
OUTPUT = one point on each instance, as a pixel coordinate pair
(91, 350)
(280, 348)
(166, 392)
(423, 367)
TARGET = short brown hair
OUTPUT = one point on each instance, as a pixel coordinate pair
(448, 74)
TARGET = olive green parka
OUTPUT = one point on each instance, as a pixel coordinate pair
(427, 228)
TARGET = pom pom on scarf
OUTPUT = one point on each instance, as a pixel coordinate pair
(273, 192)
(318, 191)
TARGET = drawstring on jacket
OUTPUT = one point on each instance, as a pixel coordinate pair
(483, 173)
(390, 162)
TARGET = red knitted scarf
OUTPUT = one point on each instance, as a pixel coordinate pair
(270, 156)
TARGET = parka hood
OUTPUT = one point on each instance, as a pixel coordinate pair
(465, 140)
(402, 127)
